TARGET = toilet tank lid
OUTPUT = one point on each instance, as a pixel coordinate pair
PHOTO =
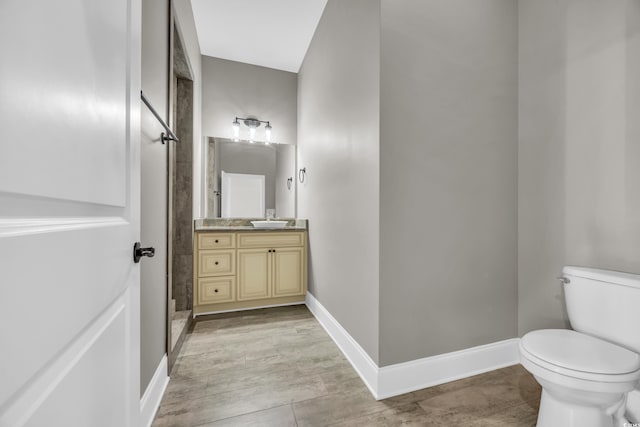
(609, 276)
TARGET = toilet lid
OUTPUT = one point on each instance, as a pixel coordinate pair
(579, 352)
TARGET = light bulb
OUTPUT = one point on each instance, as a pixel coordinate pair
(252, 133)
(267, 131)
(236, 128)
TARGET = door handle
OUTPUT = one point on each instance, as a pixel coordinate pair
(139, 252)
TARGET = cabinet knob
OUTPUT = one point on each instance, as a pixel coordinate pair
(216, 240)
(216, 262)
(215, 290)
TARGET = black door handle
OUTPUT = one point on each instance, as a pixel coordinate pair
(139, 252)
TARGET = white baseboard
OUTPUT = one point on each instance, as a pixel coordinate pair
(359, 359)
(152, 396)
(414, 375)
(417, 374)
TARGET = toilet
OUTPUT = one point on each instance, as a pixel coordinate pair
(590, 375)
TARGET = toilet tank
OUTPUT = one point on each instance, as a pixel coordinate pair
(605, 304)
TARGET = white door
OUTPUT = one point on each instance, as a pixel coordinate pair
(69, 212)
(243, 195)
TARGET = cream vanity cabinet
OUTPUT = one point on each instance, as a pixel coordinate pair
(236, 270)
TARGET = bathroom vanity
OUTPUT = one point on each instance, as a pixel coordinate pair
(237, 266)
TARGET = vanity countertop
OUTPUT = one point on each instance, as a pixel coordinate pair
(244, 224)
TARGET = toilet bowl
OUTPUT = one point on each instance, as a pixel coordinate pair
(590, 376)
(584, 379)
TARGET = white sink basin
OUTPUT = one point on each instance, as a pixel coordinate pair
(269, 224)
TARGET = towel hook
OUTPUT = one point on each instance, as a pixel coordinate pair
(289, 182)
(301, 174)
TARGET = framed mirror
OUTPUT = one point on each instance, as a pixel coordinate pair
(244, 165)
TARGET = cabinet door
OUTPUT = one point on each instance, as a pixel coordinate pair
(254, 271)
(288, 272)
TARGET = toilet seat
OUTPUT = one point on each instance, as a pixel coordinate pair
(580, 356)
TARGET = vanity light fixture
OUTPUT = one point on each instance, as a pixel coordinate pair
(252, 123)
(267, 132)
(236, 129)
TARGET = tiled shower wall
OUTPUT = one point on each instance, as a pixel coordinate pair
(182, 221)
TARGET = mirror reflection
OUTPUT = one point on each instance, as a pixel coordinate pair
(249, 179)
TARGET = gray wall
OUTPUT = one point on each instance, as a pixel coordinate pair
(155, 77)
(338, 106)
(579, 147)
(153, 190)
(285, 168)
(233, 89)
(448, 176)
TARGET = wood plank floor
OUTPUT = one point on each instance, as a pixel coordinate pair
(278, 367)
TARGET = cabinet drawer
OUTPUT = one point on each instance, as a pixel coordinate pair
(270, 240)
(216, 289)
(216, 263)
(216, 240)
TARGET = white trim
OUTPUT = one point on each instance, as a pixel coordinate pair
(13, 227)
(206, 313)
(152, 396)
(360, 360)
(417, 374)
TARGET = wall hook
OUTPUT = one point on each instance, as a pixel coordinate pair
(289, 182)
(301, 174)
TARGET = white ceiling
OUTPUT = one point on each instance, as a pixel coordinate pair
(270, 33)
